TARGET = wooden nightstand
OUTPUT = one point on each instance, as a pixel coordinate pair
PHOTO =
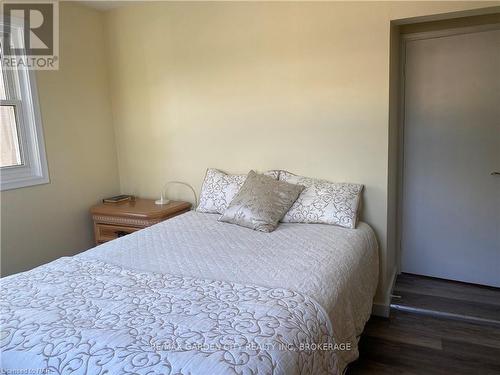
(113, 220)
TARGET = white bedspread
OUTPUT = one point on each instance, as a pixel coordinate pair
(311, 267)
(338, 267)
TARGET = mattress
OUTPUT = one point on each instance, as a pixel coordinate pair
(305, 281)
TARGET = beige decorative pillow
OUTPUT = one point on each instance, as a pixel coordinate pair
(261, 202)
(323, 202)
(220, 188)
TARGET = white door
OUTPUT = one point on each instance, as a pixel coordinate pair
(451, 194)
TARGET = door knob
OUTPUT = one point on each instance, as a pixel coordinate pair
(495, 173)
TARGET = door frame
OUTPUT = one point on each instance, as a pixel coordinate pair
(404, 40)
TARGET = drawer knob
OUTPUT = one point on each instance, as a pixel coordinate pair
(120, 233)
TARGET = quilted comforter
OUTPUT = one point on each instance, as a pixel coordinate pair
(88, 315)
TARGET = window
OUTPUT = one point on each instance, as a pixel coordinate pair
(22, 149)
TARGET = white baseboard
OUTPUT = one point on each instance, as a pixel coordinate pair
(383, 309)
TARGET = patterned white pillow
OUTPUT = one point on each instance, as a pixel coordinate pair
(219, 189)
(323, 202)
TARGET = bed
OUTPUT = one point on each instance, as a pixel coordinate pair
(192, 295)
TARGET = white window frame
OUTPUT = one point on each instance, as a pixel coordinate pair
(33, 170)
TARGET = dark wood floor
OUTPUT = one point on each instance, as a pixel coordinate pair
(449, 298)
(463, 339)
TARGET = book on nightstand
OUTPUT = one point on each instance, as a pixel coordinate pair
(119, 199)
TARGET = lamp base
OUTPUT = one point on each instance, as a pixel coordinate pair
(162, 201)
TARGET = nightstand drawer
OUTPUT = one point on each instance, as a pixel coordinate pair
(113, 220)
(106, 232)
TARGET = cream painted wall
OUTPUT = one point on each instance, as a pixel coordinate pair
(44, 222)
(297, 86)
